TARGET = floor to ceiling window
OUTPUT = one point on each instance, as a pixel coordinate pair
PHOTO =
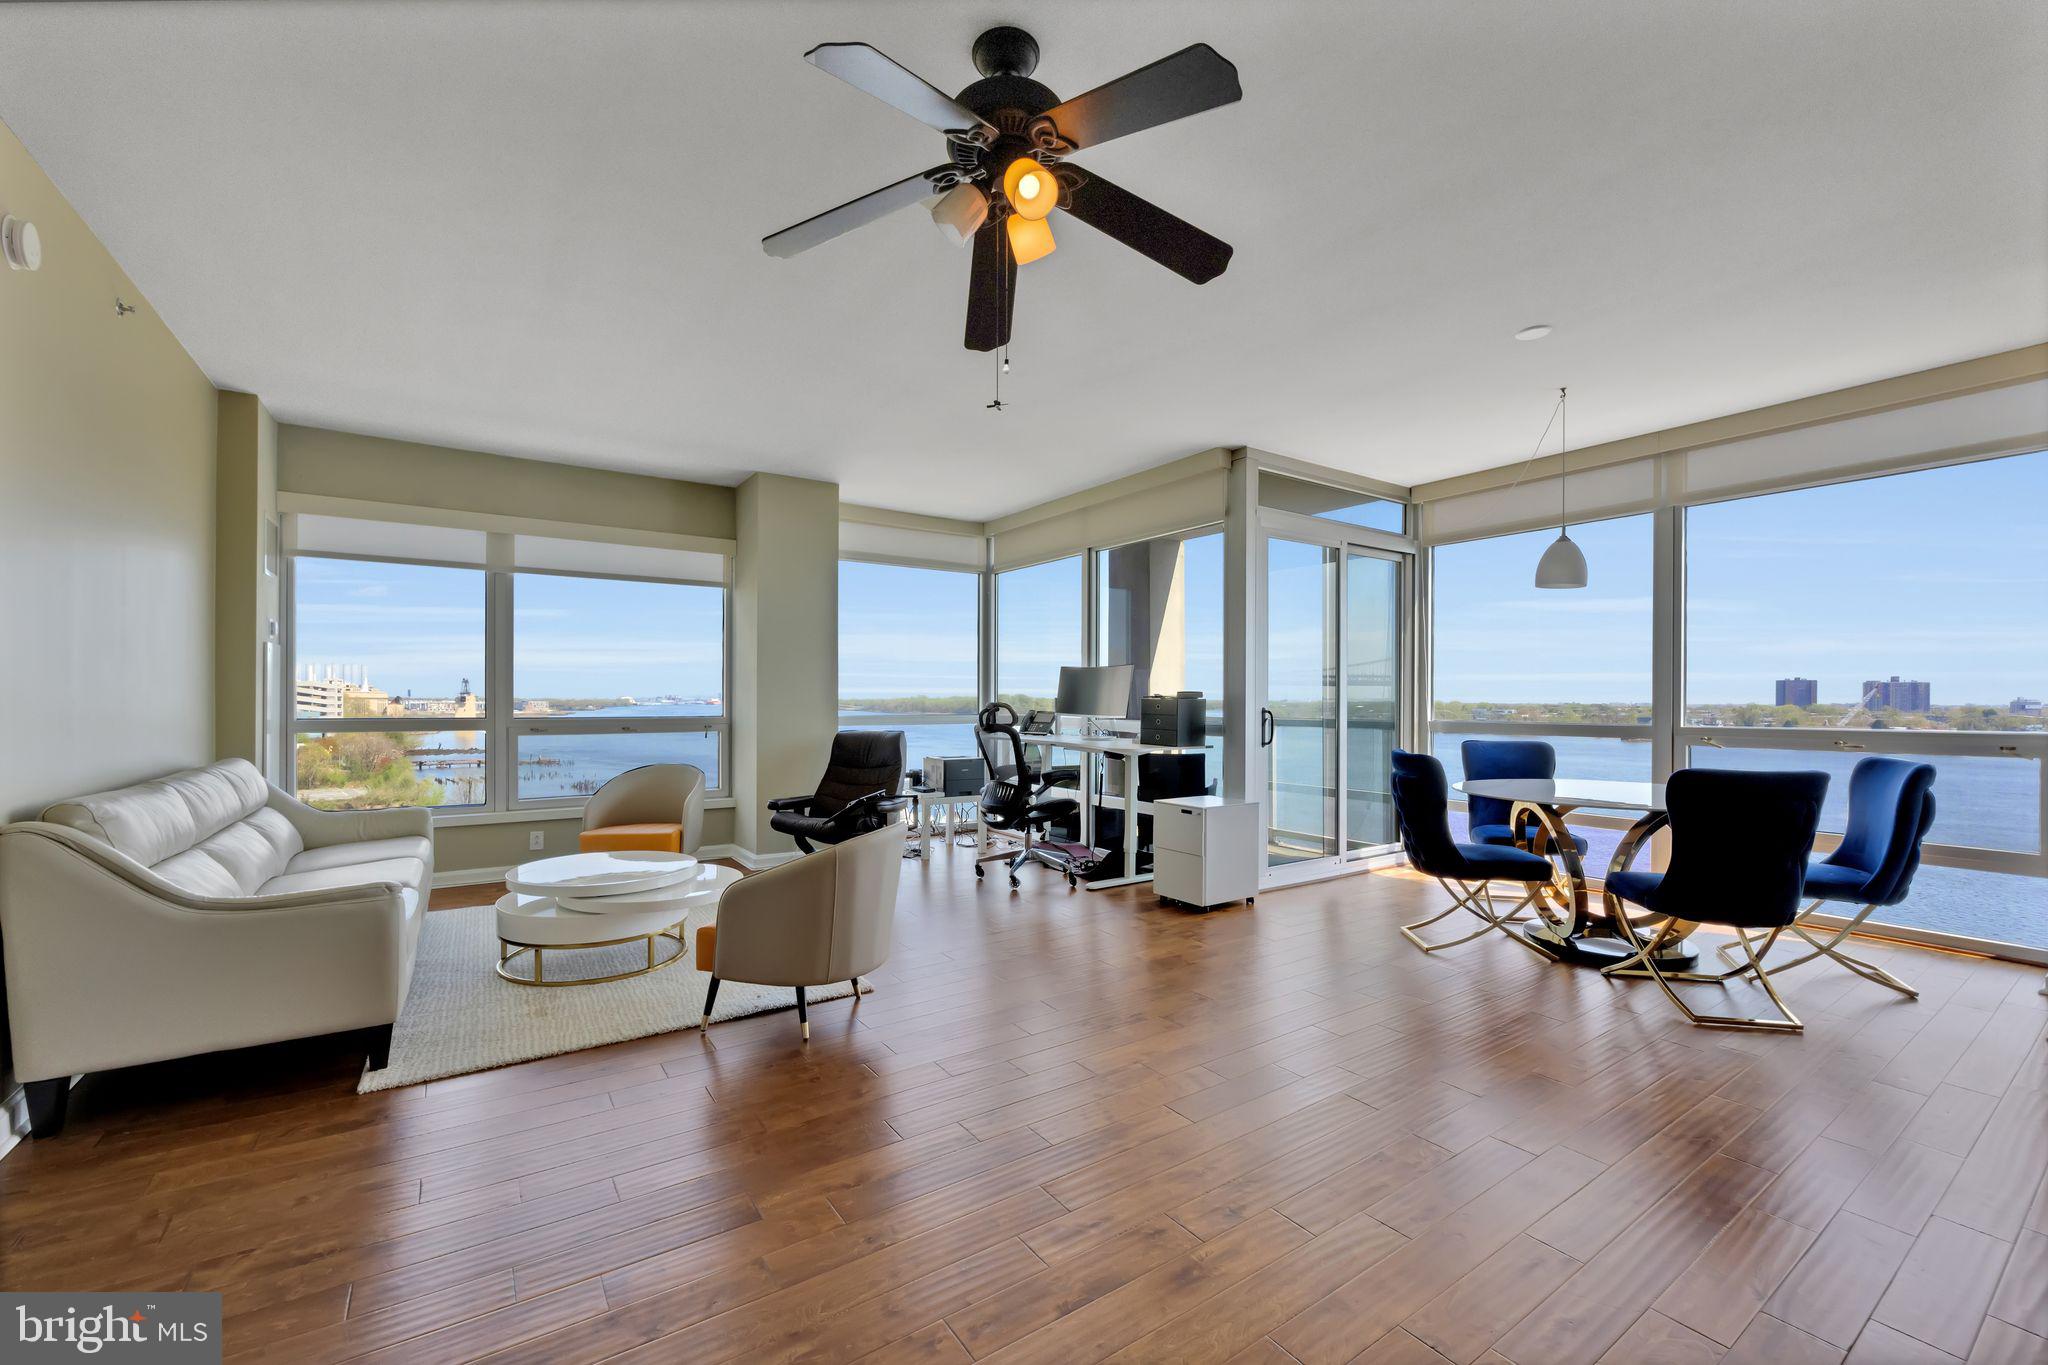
(1038, 629)
(908, 655)
(1905, 615)
(1159, 605)
(1572, 668)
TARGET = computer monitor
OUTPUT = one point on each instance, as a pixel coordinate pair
(1105, 690)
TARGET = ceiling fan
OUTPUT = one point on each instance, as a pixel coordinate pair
(1008, 138)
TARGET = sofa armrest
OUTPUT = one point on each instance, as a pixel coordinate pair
(324, 828)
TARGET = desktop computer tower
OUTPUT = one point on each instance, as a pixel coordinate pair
(1178, 719)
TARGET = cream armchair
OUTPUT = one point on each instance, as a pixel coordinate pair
(659, 806)
(201, 911)
(825, 917)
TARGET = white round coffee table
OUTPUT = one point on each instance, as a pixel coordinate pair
(535, 923)
(599, 874)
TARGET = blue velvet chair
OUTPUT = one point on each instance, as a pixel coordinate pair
(1891, 807)
(1491, 819)
(1422, 809)
(1739, 846)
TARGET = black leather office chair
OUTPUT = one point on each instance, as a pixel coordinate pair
(858, 793)
(1014, 799)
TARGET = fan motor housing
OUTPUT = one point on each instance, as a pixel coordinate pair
(991, 94)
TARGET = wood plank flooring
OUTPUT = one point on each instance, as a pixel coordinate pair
(1070, 1127)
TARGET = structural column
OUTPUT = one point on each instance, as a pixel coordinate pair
(785, 648)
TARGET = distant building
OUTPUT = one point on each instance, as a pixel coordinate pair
(2026, 706)
(1798, 692)
(342, 692)
(1897, 695)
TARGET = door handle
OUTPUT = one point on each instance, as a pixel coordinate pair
(1267, 727)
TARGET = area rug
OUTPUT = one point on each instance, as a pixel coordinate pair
(460, 1016)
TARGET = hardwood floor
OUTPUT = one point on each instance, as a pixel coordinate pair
(1069, 1127)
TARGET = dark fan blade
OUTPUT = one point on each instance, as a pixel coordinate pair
(854, 213)
(893, 83)
(991, 289)
(1147, 229)
(1191, 80)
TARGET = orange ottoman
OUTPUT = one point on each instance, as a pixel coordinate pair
(624, 838)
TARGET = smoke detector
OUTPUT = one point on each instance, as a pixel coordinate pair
(20, 243)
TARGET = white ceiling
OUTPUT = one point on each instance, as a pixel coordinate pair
(534, 227)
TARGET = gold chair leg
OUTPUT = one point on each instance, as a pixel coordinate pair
(1468, 900)
(1645, 962)
(1869, 971)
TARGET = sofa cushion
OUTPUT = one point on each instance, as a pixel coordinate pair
(365, 851)
(197, 874)
(157, 820)
(406, 872)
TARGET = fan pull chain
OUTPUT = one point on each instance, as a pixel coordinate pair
(997, 404)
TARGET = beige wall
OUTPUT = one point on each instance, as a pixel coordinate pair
(106, 521)
(461, 848)
(785, 647)
(340, 464)
(245, 598)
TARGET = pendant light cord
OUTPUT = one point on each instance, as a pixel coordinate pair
(1564, 443)
(1556, 412)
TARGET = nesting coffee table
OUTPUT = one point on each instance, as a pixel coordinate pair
(602, 900)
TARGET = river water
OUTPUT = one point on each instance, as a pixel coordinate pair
(1981, 802)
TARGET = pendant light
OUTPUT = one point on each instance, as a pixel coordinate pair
(1564, 564)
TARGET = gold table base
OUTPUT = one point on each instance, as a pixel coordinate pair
(509, 952)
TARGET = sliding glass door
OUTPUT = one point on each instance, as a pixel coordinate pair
(1299, 722)
(1373, 696)
(1335, 694)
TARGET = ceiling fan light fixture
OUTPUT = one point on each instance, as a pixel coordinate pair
(1030, 238)
(960, 212)
(1030, 188)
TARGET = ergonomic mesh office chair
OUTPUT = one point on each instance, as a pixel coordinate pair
(1014, 799)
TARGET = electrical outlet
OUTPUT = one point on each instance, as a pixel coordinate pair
(537, 840)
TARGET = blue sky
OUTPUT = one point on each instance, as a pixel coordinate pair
(1941, 575)
(906, 632)
(421, 630)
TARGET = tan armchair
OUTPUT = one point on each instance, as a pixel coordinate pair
(825, 917)
(660, 806)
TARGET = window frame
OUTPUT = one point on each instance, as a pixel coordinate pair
(502, 727)
(1671, 739)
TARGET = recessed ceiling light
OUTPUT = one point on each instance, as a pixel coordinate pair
(1536, 333)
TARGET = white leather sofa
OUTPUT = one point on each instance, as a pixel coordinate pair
(201, 911)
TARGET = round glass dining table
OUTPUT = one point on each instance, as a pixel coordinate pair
(1567, 928)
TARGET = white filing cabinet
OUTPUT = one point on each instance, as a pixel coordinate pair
(1205, 850)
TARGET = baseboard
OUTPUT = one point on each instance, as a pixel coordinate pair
(470, 876)
(15, 1109)
(747, 858)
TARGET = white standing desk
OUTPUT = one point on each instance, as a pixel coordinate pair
(1129, 751)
